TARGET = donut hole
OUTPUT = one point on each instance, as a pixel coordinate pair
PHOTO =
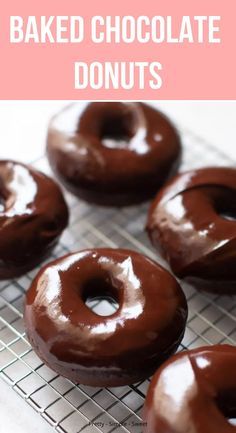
(3, 196)
(2, 204)
(225, 205)
(228, 216)
(117, 127)
(232, 421)
(100, 296)
(226, 403)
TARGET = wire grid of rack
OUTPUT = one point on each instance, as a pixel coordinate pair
(74, 408)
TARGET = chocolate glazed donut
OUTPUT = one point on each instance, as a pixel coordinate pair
(194, 392)
(193, 220)
(112, 153)
(33, 214)
(115, 350)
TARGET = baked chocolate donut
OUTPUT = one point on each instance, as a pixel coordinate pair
(33, 214)
(112, 153)
(195, 392)
(114, 350)
(193, 220)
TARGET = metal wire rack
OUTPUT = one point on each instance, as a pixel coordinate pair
(71, 408)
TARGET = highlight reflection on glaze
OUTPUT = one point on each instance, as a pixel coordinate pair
(193, 219)
(112, 153)
(22, 190)
(193, 392)
(121, 348)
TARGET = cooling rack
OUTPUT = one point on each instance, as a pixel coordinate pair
(70, 408)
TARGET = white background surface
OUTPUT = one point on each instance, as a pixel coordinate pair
(24, 124)
(22, 136)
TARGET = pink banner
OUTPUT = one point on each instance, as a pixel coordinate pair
(127, 49)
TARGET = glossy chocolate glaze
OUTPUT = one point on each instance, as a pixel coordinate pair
(193, 220)
(33, 214)
(193, 392)
(113, 153)
(114, 350)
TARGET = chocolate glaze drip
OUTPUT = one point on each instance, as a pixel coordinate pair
(112, 153)
(193, 221)
(114, 350)
(194, 391)
(33, 214)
